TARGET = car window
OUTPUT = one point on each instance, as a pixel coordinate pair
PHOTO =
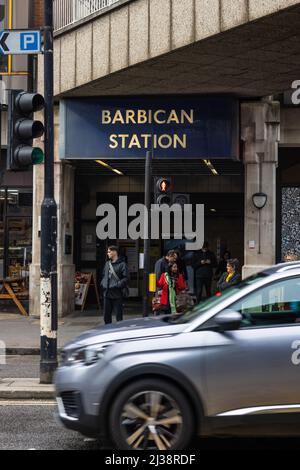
(275, 304)
(211, 302)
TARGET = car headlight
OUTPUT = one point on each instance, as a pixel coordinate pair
(87, 355)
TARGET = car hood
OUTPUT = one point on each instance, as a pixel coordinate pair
(126, 330)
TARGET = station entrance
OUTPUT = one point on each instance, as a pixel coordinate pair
(217, 184)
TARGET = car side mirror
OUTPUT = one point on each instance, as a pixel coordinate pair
(228, 320)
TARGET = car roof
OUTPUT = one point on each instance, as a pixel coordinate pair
(282, 267)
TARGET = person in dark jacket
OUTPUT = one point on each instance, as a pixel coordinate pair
(181, 265)
(204, 262)
(222, 266)
(162, 265)
(114, 280)
(231, 277)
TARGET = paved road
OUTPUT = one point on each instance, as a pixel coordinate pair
(25, 425)
(33, 425)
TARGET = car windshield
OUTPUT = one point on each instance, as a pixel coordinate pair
(206, 305)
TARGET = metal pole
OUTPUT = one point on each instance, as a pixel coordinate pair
(48, 285)
(148, 179)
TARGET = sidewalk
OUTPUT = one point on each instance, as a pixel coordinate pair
(21, 335)
(25, 389)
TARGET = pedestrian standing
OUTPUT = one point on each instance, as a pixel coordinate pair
(114, 283)
(161, 265)
(181, 265)
(204, 262)
(172, 284)
(231, 277)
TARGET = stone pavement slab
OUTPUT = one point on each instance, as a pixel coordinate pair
(28, 388)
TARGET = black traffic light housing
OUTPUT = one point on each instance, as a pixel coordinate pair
(163, 190)
(22, 129)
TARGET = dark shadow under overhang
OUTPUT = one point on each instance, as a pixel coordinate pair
(159, 167)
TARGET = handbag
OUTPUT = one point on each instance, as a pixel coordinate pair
(184, 302)
(125, 289)
(156, 301)
(155, 304)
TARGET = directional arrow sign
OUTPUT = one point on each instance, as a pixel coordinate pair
(20, 42)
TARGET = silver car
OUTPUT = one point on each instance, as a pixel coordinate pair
(232, 364)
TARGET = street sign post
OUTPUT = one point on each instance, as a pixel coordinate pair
(20, 42)
(48, 278)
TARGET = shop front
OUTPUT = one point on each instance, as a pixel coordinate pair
(15, 231)
(15, 234)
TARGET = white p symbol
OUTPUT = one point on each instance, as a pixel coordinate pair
(29, 40)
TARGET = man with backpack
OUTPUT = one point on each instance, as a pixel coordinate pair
(114, 283)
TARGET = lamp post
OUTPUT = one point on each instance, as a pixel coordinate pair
(48, 279)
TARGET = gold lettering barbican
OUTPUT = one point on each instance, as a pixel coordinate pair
(149, 116)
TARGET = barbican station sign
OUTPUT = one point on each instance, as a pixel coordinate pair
(173, 126)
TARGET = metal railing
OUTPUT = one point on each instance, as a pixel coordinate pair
(68, 12)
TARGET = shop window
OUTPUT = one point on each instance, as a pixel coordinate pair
(19, 202)
(15, 232)
(20, 244)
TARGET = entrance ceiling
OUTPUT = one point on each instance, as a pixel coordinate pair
(257, 59)
(159, 167)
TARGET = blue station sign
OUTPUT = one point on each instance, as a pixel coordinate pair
(173, 126)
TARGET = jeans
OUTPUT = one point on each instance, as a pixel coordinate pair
(200, 283)
(111, 305)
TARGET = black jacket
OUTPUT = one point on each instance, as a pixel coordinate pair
(222, 284)
(162, 266)
(182, 268)
(204, 270)
(113, 288)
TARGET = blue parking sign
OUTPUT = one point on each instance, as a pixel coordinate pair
(20, 42)
(30, 41)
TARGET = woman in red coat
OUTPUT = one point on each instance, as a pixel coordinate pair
(171, 283)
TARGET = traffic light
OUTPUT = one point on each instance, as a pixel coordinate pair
(22, 129)
(163, 191)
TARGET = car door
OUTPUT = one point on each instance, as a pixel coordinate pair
(257, 367)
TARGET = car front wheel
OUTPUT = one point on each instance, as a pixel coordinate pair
(151, 414)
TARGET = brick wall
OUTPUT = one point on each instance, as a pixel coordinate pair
(38, 13)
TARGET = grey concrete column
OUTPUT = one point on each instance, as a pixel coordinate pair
(34, 269)
(260, 133)
(64, 196)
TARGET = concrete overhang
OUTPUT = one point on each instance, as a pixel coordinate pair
(124, 52)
